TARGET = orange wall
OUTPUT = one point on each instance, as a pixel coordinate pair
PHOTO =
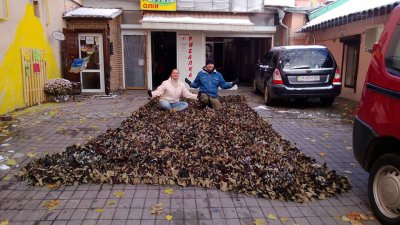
(294, 21)
(330, 38)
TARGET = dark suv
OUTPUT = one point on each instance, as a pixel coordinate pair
(298, 72)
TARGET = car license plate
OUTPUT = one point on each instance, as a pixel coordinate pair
(307, 78)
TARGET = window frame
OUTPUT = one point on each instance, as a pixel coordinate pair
(393, 41)
(354, 40)
(42, 11)
(6, 10)
(275, 59)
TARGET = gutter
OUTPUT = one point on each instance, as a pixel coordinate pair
(281, 15)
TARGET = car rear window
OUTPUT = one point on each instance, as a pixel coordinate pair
(307, 59)
(392, 56)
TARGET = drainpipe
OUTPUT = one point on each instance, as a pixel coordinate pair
(281, 15)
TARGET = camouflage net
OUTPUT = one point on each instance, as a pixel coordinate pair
(232, 149)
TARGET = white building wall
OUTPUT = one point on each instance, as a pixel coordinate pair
(190, 57)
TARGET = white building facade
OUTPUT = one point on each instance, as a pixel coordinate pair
(159, 35)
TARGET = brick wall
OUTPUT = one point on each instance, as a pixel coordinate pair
(111, 30)
(116, 79)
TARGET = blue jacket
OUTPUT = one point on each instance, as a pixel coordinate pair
(209, 83)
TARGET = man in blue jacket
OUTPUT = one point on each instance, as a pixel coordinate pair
(208, 80)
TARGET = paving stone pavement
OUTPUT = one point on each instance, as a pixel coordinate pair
(49, 128)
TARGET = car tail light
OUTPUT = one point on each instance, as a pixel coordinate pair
(337, 80)
(277, 78)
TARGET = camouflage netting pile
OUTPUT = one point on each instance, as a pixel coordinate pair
(232, 149)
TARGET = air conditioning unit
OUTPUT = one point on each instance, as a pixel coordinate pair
(372, 35)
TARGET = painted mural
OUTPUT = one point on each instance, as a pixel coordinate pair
(29, 34)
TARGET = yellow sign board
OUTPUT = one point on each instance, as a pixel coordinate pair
(158, 5)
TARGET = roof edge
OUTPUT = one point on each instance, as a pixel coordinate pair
(112, 16)
(320, 11)
(350, 18)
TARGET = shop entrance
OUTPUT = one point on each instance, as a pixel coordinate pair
(237, 57)
(163, 47)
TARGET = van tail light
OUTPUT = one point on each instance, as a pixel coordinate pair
(277, 78)
(337, 79)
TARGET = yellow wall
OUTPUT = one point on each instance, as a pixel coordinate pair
(29, 34)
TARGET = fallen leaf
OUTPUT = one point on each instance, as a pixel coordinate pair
(348, 172)
(31, 155)
(157, 209)
(355, 218)
(4, 222)
(6, 178)
(322, 154)
(53, 113)
(52, 186)
(258, 221)
(11, 162)
(169, 217)
(81, 120)
(272, 217)
(348, 147)
(169, 191)
(371, 217)
(99, 210)
(112, 202)
(119, 194)
(51, 204)
(283, 219)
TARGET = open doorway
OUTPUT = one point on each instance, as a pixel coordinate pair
(236, 57)
(163, 46)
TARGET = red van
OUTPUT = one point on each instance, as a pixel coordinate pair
(376, 133)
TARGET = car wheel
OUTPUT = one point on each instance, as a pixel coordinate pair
(267, 98)
(384, 189)
(254, 87)
(327, 101)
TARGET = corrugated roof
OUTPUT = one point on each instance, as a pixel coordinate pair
(351, 11)
(85, 12)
